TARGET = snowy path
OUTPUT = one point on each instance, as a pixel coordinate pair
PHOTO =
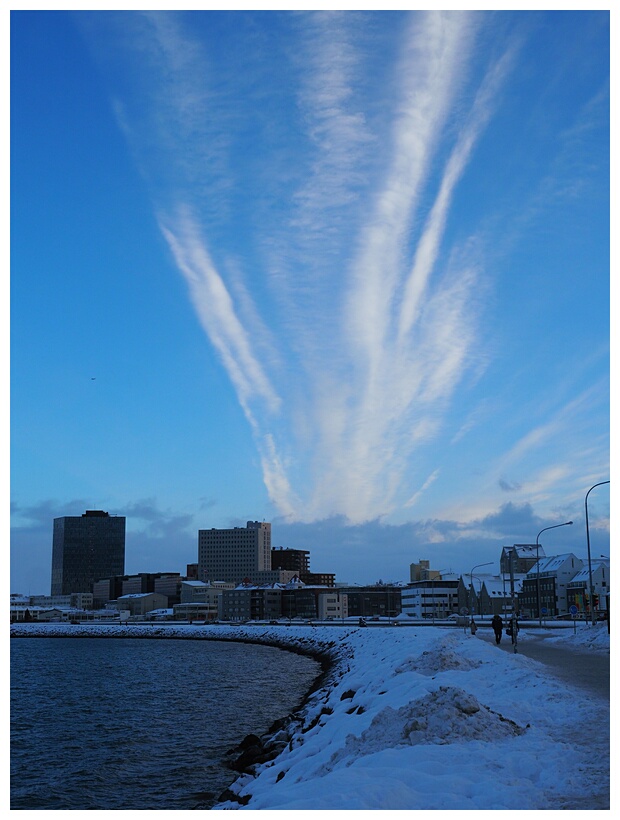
(573, 665)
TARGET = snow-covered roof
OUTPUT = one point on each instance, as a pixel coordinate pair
(525, 550)
(497, 588)
(584, 572)
(295, 581)
(137, 595)
(22, 608)
(551, 564)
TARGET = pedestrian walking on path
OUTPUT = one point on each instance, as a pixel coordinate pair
(498, 628)
(513, 630)
(473, 627)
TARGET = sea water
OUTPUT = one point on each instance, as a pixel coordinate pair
(128, 723)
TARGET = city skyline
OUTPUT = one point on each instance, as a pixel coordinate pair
(345, 272)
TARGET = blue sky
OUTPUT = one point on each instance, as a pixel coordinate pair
(347, 272)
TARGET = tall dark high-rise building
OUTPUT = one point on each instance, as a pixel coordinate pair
(296, 560)
(86, 549)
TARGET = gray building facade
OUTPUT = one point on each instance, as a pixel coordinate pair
(86, 549)
(234, 555)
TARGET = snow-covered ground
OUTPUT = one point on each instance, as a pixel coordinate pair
(423, 718)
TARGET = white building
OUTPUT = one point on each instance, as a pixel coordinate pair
(545, 585)
(201, 601)
(332, 605)
(434, 598)
(578, 589)
(193, 592)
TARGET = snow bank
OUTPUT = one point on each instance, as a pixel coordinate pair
(418, 718)
(593, 639)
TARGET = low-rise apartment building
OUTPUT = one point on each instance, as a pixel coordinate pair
(546, 585)
(578, 589)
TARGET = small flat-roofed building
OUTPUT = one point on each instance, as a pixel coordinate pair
(139, 603)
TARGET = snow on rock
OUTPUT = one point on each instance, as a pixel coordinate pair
(416, 718)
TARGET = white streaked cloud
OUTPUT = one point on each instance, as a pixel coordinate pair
(429, 244)
(215, 309)
(334, 122)
(343, 318)
(276, 479)
(434, 55)
(417, 495)
(544, 463)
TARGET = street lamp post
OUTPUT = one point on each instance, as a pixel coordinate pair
(471, 575)
(479, 606)
(589, 559)
(565, 524)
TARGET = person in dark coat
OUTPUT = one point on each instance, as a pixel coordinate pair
(513, 632)
(498, 627)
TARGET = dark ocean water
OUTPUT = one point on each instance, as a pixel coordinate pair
(126, 723)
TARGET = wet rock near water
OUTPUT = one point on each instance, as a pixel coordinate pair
(254, 751)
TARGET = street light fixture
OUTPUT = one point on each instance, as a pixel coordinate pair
(555, 526)
(471, 574)
(589, 559)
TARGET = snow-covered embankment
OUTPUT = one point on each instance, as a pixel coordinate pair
(421, 718)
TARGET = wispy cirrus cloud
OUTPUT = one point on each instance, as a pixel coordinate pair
(339, 135)
(546, 461)
(370, 334)
(216, 311)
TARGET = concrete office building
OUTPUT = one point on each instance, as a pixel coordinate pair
(85, 549)
(235, 555)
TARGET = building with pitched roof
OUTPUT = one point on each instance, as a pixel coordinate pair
(545, 585)
(578, 589)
